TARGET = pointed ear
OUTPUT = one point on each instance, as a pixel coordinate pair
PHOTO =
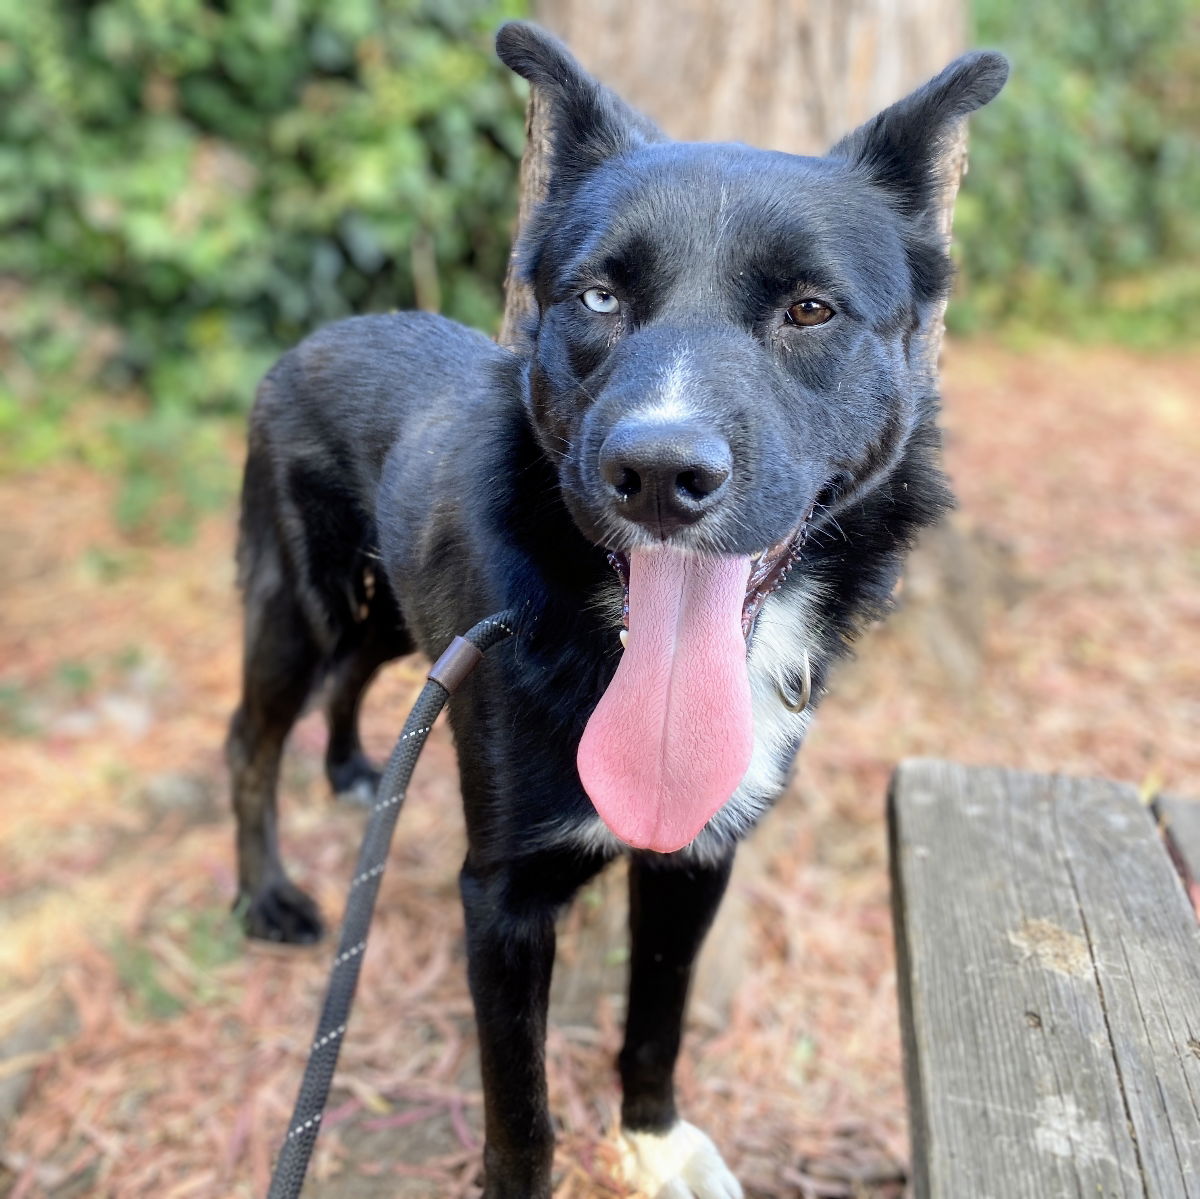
(902, 148)
(588, 122)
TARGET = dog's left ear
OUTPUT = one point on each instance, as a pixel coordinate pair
(588, 122)
(901, 148)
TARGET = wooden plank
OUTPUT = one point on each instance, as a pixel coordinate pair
(1180, 821)
(1050, 989)
(1145, 944)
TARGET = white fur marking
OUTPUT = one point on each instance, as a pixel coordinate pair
(679, 1164)
(670, 403)
(786, 628)
(590, 836)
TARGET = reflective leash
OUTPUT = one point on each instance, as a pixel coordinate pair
(446, 674)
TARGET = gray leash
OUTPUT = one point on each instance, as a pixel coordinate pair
(445, 675)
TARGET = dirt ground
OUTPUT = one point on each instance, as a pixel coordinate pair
(146, 1051)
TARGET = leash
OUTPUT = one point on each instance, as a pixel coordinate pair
(445, 676)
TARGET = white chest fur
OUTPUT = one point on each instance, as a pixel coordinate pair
(787, 628)
(785, 632)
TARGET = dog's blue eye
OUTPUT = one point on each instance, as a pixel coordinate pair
(599, 300)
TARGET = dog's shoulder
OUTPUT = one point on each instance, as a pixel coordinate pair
(361, 351)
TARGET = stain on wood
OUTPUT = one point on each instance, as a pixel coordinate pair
(1049, 968)
(1052, 947)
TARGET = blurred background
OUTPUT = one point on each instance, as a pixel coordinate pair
(186, 189)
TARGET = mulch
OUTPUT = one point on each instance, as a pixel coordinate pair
(174, 1065)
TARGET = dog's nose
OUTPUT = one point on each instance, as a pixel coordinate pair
(664, 476)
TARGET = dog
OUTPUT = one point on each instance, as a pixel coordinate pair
(694, 487)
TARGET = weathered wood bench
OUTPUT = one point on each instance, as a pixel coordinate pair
(1049, 967)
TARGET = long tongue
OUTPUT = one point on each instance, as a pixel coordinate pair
(671, 738)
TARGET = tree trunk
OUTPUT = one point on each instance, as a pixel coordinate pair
(781, 74)
(784, 75)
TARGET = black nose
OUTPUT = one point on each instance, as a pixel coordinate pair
(664, 476)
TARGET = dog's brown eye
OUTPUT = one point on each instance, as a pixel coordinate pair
(809, 312)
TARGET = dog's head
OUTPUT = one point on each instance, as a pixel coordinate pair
(725, 335)
(725, 338)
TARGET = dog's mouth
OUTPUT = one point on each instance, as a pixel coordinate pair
(768, 570)
(672, 736)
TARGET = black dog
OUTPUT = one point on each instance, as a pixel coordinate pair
(723, 436)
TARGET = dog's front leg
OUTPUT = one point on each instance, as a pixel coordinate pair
(671, 906)
(510, 953)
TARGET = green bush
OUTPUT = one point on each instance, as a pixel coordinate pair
(187, 187)
(1081, 216)
(195, 184)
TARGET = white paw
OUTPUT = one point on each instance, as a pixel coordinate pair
(681, 1163)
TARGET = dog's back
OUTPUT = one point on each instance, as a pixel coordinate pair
(317, 607)
(324, 420)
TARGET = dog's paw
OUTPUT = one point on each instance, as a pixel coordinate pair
(279, 911)
(354, 781)
(681, 1163)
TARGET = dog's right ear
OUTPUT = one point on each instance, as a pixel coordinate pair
(588, 122)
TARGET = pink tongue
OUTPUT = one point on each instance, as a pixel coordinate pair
(670, 739)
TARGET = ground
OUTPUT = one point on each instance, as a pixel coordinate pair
(147, 1051)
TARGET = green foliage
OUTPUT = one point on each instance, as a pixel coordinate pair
(214, 180)
(16, 711)
(77, 678)
(173, 469)
(1080, 214)
(188, 187)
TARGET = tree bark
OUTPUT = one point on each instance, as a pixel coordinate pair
(532, 181)
(781, 74)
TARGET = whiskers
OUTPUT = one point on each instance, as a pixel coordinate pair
(821, 518)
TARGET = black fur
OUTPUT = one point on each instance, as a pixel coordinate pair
(407, 477)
